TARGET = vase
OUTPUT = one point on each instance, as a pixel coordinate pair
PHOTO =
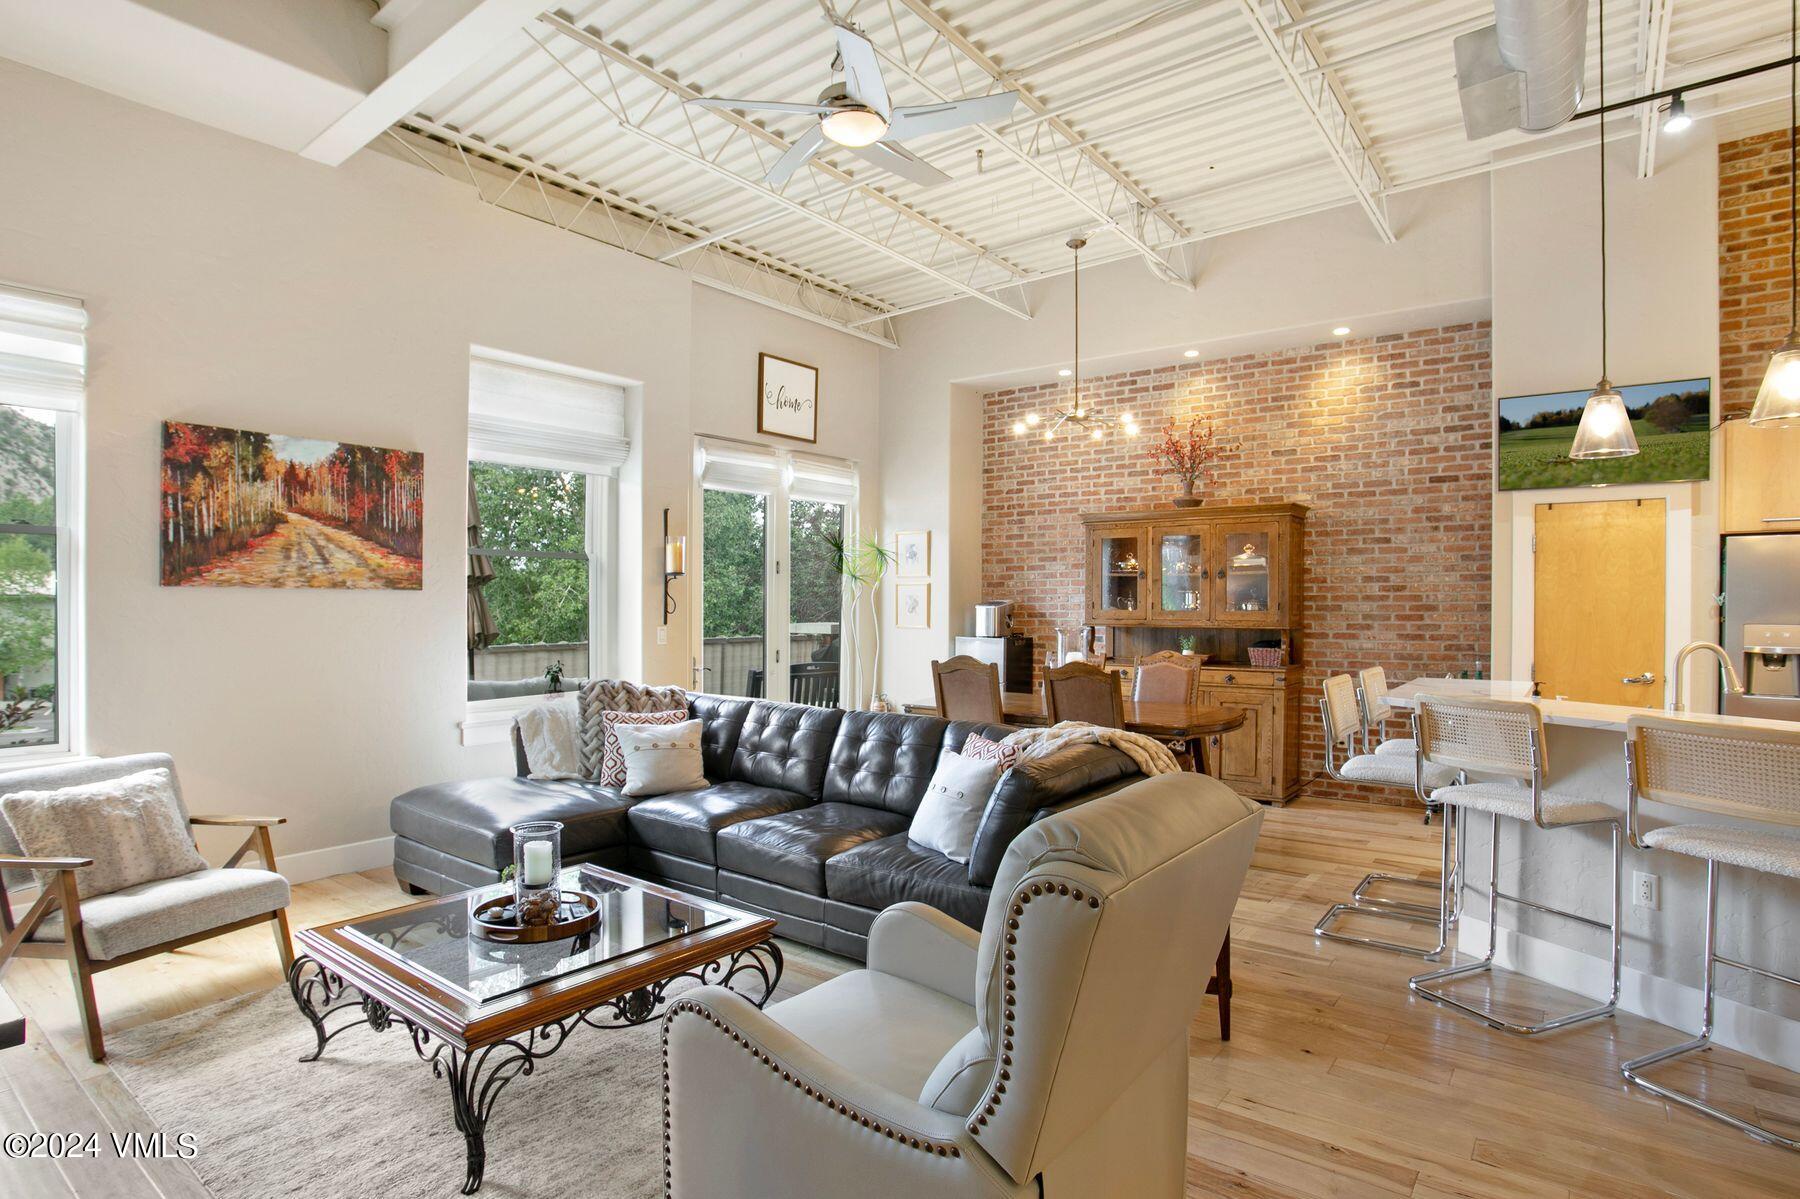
(537, 870)
(1187, 498)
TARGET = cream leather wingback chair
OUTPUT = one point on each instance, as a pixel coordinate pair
(1053, 1045)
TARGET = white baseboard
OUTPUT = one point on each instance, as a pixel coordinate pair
(1749, 1030)
(310, 864)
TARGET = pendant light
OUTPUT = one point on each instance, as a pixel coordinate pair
(1078, 417)
(1605, 429)
(1778, 399)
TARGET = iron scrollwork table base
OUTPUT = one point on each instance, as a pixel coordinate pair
(477, 1075)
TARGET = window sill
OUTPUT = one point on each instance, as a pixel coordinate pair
(37, 760)
(490, 721)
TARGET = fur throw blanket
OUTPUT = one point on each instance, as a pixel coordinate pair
(1151, 755)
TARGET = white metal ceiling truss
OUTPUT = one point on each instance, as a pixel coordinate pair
(1653, 62)
(712, 138)
(1290, 44)
(1049, 147)
(507, 180)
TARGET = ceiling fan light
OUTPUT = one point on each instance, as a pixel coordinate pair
(1778, 399)
(1605, 429)
(1018, 428)
(1031, 418)
(853, 127)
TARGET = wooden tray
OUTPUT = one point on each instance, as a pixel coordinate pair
(495, 920)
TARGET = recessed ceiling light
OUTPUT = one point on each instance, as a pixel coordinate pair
(1190, 353)
(1341, 331)
(1064, 372)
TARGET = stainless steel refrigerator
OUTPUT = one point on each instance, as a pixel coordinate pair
(1760, 623)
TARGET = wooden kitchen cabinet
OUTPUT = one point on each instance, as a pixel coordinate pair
(1760, 491)
(1261, 758)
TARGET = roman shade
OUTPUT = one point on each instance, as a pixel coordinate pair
(523, 415)
(735, 466)
(43, 350)
(827, 480)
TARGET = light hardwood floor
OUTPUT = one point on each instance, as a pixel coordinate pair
(1336, 1083)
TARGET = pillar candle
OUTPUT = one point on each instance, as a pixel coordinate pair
(537, 863)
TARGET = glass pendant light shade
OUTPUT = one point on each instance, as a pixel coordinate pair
(1605, 430)
(1778, 400)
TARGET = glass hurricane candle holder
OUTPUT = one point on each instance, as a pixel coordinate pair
(537, 867)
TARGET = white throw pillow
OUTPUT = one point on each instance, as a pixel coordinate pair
(131, 826)
(661, 758)
(954, 800)
(551, 735)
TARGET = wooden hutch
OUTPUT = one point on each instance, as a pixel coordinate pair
(1228, 577)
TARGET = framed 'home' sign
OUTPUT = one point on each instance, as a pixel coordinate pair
(787, 398)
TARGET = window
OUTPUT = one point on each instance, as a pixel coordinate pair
(544, 446)
(42, 368)
(772, 605)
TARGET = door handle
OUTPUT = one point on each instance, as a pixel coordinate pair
(1646, 677)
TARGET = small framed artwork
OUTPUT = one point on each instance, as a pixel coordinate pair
(787, 398)
(912, 605)
(912, 555)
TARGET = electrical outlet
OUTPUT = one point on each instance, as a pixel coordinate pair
(1646, 890)
(662, 634)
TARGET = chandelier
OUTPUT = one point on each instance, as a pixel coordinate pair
(1078, 417)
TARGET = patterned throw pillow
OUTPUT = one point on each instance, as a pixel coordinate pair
(601, 696)
(131, 827)
(612, 759)
(984, 749)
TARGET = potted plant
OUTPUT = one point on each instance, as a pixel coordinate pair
(860, 564)
(553, 676)
(1186, 457)
(1187, 643)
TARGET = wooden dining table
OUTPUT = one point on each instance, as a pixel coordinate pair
(1172, 723)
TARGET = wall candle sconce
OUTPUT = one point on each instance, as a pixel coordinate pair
(674, 565)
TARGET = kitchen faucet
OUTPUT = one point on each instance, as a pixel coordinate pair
(1732, 685)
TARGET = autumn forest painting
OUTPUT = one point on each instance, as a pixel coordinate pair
(242, 509)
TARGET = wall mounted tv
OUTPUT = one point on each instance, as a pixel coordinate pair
(1672, 421)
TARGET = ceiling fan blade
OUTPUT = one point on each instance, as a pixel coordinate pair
(862, 71)
(899, 162)
(915, 120)
(796, 156)
(757, 105)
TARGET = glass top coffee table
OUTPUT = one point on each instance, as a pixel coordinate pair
(481, 1013)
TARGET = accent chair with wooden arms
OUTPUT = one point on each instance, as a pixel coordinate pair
(968, 689)
(1046, 1056)
(1083, 692)
(100, 932)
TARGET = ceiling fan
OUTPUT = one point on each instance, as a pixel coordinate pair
(857, 115)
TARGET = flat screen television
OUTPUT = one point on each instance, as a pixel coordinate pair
(1672, 420)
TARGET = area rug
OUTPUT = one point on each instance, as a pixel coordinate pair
(369, 1118)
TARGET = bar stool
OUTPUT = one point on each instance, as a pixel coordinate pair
(1506, 737)
(1371, 699)
(1747, 773)
(1340, 712)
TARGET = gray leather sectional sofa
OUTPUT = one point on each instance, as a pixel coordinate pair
(804, 818)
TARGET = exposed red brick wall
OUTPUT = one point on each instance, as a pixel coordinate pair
(1389, 441)
(1754, 311)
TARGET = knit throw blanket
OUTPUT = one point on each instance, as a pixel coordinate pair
(1151, 755)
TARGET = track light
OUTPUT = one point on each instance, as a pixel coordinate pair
(1676, 119)
(1341, 331)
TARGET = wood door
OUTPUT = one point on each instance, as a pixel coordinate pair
(1600, 589)
(1761, 488)
(1245, 757)
(1248, 583)
(1118, 582)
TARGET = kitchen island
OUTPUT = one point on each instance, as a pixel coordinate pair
(1568, 868)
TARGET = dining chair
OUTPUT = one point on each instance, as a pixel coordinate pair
(1083, 692)
(968, 689)
(1167, 677)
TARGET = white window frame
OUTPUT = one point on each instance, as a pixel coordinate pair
(777, 596)
(70, 483)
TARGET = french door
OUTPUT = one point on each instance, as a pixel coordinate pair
(771, 609)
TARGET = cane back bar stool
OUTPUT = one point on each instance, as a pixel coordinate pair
(1506, 738)
(1371, 699)
(1341, 713)
(1750, 774)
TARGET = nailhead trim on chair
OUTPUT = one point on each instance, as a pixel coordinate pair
(997, 1088)
(923, 1144)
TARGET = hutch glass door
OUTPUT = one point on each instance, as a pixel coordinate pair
(1249, 591)
(1183, 576)
(1118, 566)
